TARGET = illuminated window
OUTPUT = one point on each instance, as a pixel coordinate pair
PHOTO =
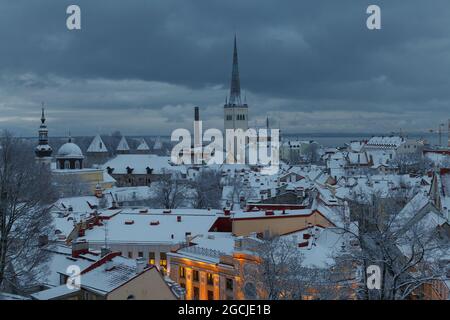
(151, 258)
(182, 272)
(163, 259)
(209, 279)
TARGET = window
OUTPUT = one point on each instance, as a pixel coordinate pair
(182, 272)
(151, 258)
(229, 284)
(130, 254)
(196, 294)
(229, 117)
(163, 259)
(196, 276)
(66, 164)
(77, 164)
(130, 297)
(210, 295)
(209, 279)
(140, 254)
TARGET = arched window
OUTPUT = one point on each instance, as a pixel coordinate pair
(77, 164)
(66, 164)
(131, 297)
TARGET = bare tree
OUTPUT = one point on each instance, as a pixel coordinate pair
(71, 185)
(239, 192)
(25, 192)
(280, 262)
(208, 189)
(170, 191)
(399, 240)
(311, 153)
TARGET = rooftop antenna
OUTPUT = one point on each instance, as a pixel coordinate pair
(106, 234)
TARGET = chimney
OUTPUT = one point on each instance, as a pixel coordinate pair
(79, 247)
(98, 191)
(109, 265)
(188, 238)
(104, 251)
(196, 114)
(140, 265)
(197, 137)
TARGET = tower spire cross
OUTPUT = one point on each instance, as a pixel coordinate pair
(235, 88)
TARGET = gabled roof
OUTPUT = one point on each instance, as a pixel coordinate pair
(123, 145)
(143, 146)
(97, 145)
(158, 144)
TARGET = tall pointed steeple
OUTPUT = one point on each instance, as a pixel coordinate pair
(235, 111)
(235, 88)
(43, 150)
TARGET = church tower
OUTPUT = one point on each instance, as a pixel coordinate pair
(43, 150)
(235, 112)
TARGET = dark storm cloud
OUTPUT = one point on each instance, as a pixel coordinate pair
(141, 66)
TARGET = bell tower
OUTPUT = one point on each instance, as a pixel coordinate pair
(235, 112)
(43, 150)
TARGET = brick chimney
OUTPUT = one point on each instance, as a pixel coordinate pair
(79, 247)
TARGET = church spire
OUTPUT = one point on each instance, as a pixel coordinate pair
(42, 114)
(43, 149)
(235, 89)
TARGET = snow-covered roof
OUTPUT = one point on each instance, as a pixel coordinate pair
(322, 246)
(152, 228)
(140, 162)
(158, 144)
(60, 258)
(97, 145)
(356, 146)
(55, 292)
(386, 142)
(70, 150)
(109, 276)
(143, 146)
(123, 145)
(209, 247)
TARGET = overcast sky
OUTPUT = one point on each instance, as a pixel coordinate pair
(139, 66)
